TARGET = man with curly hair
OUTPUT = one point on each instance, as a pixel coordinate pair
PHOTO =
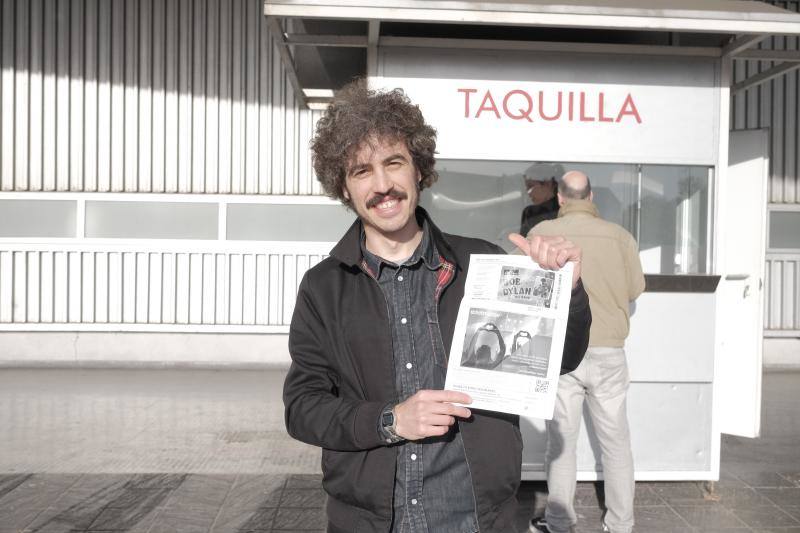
(371, 331)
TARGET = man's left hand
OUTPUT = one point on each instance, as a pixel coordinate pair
(551, 253)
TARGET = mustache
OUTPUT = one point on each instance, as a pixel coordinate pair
(391, 193)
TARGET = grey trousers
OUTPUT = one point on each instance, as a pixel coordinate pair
(601, 381)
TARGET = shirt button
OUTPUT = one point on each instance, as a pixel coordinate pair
(403, 320)
(399, 278)
(409, 366)
(413, 457)
(388, 441)
(413, 501)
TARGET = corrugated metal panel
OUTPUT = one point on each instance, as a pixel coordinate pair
(782, 311)
(774, 105)
(131, 289)
(139, 96)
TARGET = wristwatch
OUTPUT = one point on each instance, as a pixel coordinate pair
(388, 425)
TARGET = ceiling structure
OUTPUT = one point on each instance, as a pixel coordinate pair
(326, 43)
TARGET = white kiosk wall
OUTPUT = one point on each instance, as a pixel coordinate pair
(492, 106)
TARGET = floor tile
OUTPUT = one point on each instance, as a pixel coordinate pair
(715, 529)
(645, 495)
(261, 519)
(184, 520)
(300, 519)
(11, 482)
(764, 479)
(588, 495)
(687, 493)
(589, 518)
(650, 518)
(306, 498)
(202, 490)
(232, 520)
(156, 481)
(79, 515)
(728, 478)
(783, 496)
(765, 516)
(741, 497)
(255, 491)
(20, 506)
(304, 481)
(138, 515)
(708, 516)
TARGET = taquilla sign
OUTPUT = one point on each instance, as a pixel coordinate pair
(631, 109)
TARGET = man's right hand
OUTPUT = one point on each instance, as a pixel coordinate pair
(429, 413)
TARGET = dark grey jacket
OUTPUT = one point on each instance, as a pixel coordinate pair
(342, 375)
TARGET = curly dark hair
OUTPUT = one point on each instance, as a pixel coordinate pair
(358, 114)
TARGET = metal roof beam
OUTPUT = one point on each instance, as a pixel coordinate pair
(769, 55)
(275, 28)
(741, 43)
(373, 36)
(763, 77)
(550, 46)
(345, 41)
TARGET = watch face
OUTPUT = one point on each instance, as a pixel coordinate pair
(387, 419)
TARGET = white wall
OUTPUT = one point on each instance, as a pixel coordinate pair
(87, 349)
(148, 104)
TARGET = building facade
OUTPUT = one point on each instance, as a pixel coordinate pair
(157, 202)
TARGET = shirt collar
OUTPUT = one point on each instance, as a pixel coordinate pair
(425, 252)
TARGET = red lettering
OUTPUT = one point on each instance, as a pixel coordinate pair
(601, 108)
(541, 107)
(518, 104)
(491, 107)
(584, 117)
(523, 113)
(571, 104)
(467, 92)
(629, 108)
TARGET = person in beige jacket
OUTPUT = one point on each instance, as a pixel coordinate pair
(612, 275)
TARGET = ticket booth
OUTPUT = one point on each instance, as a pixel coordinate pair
(611, 90)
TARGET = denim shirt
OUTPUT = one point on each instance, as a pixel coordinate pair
(433, 485)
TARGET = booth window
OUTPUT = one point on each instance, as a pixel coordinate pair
(784, 230)
(666, 207)
(673, 237)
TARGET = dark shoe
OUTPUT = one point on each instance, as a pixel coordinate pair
(538, 525)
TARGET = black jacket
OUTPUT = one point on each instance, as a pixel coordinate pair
(533, 214)
(342, 375)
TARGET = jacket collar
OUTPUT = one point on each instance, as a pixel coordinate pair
(348, 249)
(585, 207)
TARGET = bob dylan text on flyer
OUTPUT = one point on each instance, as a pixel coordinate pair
(526, 286)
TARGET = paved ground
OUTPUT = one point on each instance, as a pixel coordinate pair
(204, 451)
